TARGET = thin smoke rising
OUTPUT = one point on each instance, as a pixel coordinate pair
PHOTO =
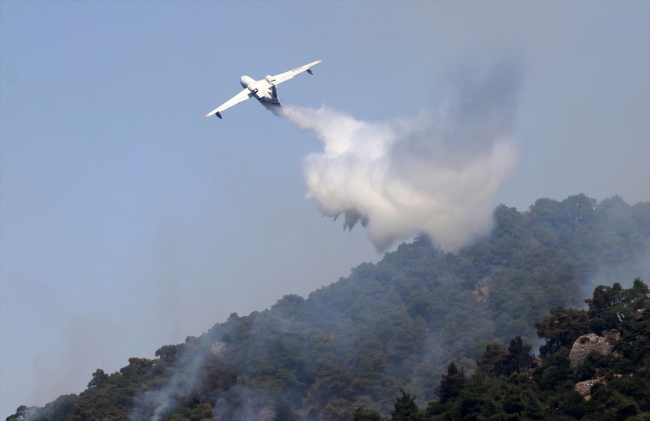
(436, 173)
(157, 404)
(244, 403)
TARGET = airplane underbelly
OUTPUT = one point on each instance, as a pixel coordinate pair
(268, 99)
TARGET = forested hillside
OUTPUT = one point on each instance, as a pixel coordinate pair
(390, 326)
(581, 376)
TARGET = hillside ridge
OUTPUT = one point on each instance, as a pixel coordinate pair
(397, 324)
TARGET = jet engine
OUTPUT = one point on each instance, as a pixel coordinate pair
(270, 79)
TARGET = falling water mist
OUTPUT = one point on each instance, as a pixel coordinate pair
(437, 172)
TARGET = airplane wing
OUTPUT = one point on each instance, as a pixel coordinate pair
(283, 77)
(240, 97)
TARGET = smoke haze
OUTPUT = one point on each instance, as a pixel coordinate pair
(437, 172)
(156, 404)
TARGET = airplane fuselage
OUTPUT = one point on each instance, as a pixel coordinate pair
(263, 90)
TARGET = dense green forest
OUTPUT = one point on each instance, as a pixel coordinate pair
(511, 384)
(420, 329)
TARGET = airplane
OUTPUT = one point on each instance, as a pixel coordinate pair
(263, 90)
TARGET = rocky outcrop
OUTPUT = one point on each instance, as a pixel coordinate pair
(611, 335)
(584, 345)
(481, 291)
(584, 388)
(218, 349)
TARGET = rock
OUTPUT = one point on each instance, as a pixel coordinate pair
(611, 335)
(481, 291)
(584, 345)
(584, 388)
(218, 349)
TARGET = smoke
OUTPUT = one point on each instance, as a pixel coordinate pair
(244, 403)
(436, 173)
(157, 404)
(625, 246)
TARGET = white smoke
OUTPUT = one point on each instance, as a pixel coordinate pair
(157, 404)
(435, 173)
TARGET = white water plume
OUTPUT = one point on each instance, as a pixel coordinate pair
(435, 173)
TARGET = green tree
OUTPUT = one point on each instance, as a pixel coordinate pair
(499, 361)
(519, 359)
(99, 379)
(493, 360)
(20, 415)
(451, 384)
(283, 411)
(406, 409)
(610, 306)
(561, 328)
(362, 414)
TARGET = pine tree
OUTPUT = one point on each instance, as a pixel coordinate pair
(451, 384)
(519, 359)
(406, 409)
(362, 414)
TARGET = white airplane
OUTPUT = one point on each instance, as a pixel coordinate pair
(263, 90)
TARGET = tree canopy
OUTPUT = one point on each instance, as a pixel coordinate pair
(422, 325)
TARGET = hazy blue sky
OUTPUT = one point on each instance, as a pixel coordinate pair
(129, 221)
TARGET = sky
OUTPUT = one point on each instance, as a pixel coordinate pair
(129, 221)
